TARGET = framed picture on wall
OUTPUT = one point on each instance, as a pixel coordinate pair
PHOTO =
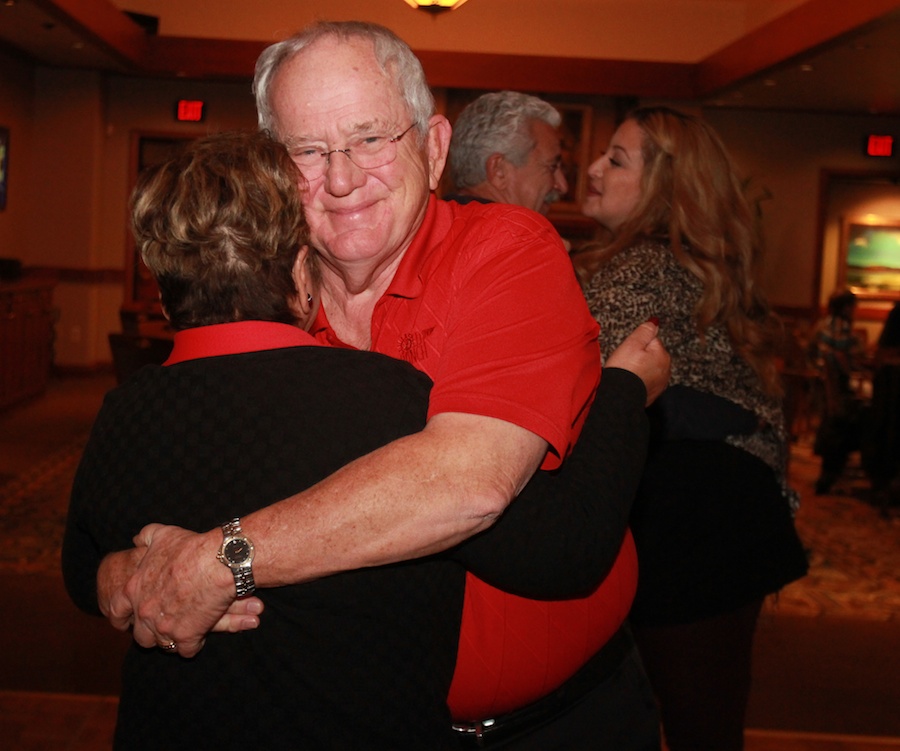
(870, 262)
(575, 132)
(4, 166)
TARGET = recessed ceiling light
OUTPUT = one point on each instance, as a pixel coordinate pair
(807, 68)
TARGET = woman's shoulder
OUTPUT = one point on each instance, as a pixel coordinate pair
(649, 256)
(642, 248)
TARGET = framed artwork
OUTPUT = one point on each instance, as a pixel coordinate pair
(870, 257)
(575, 131)
(4, 166)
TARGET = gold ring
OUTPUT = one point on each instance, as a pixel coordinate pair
(170, 647)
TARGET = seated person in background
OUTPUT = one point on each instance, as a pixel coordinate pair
(506, 148)
(247, 410)
(482, 299)
(836, 350)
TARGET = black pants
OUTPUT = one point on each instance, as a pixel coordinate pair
(701, 676)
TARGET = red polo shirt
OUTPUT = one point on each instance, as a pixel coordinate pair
(485, 302)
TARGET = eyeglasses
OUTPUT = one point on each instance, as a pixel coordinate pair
(366, 152)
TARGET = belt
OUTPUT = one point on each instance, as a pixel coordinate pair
(602, 665)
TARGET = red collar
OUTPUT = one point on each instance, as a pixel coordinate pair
(234, 339)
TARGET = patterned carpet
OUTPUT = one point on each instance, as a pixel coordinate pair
(854, 547)
(33, 512)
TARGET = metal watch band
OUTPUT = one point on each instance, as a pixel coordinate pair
(244, 582)
(232, 528)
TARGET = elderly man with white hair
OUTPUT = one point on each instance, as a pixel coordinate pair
(481, 298)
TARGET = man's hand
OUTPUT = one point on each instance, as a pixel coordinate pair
(171, 588)
(112, 576)
(644, 355)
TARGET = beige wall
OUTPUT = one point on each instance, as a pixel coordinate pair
(787, 153)
(70, 134)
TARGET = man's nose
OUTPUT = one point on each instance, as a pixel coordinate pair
(560, 182)
(342, 176)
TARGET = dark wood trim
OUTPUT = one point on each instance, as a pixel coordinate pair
(799, 31)
(103, 23)
(76, 275)
(810, 25)
(865, 312)
(219, 58)
(556, 75)
(191, 57)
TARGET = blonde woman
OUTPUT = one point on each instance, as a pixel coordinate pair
(712, 520)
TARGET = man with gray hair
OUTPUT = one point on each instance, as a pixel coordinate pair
(506, 149)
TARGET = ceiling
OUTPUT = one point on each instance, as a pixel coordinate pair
(820, 55)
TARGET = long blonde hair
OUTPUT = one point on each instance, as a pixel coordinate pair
(692, 197)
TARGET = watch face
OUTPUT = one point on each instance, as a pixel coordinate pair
(237, 551)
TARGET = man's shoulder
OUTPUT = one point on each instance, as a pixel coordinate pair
(481, 208)
(475, 219)
(464, 199)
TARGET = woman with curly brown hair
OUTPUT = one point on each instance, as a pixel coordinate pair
(712, 520)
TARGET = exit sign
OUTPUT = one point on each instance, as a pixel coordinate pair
(879, 145)
(189, 110)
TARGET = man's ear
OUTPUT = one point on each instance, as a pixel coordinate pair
(439, 132)
(496, 170)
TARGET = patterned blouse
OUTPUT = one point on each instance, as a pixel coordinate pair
(645, 280)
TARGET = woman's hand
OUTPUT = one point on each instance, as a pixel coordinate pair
(644, 355)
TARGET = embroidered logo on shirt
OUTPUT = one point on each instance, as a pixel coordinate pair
(412, 345)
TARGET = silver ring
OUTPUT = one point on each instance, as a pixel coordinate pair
(170, 647)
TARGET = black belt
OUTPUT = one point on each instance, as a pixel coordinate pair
(602, 665)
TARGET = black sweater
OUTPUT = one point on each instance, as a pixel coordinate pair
(357, 660)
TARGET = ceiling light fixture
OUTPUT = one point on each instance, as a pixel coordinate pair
(435, 6)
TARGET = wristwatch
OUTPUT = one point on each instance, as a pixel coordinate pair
(237, 553)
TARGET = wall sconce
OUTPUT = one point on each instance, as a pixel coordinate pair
(435, 6)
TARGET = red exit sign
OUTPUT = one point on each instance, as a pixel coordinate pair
(880, 145)
(189, 110)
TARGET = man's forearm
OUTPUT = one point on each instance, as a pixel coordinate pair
(562, 534)
(418, 495)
